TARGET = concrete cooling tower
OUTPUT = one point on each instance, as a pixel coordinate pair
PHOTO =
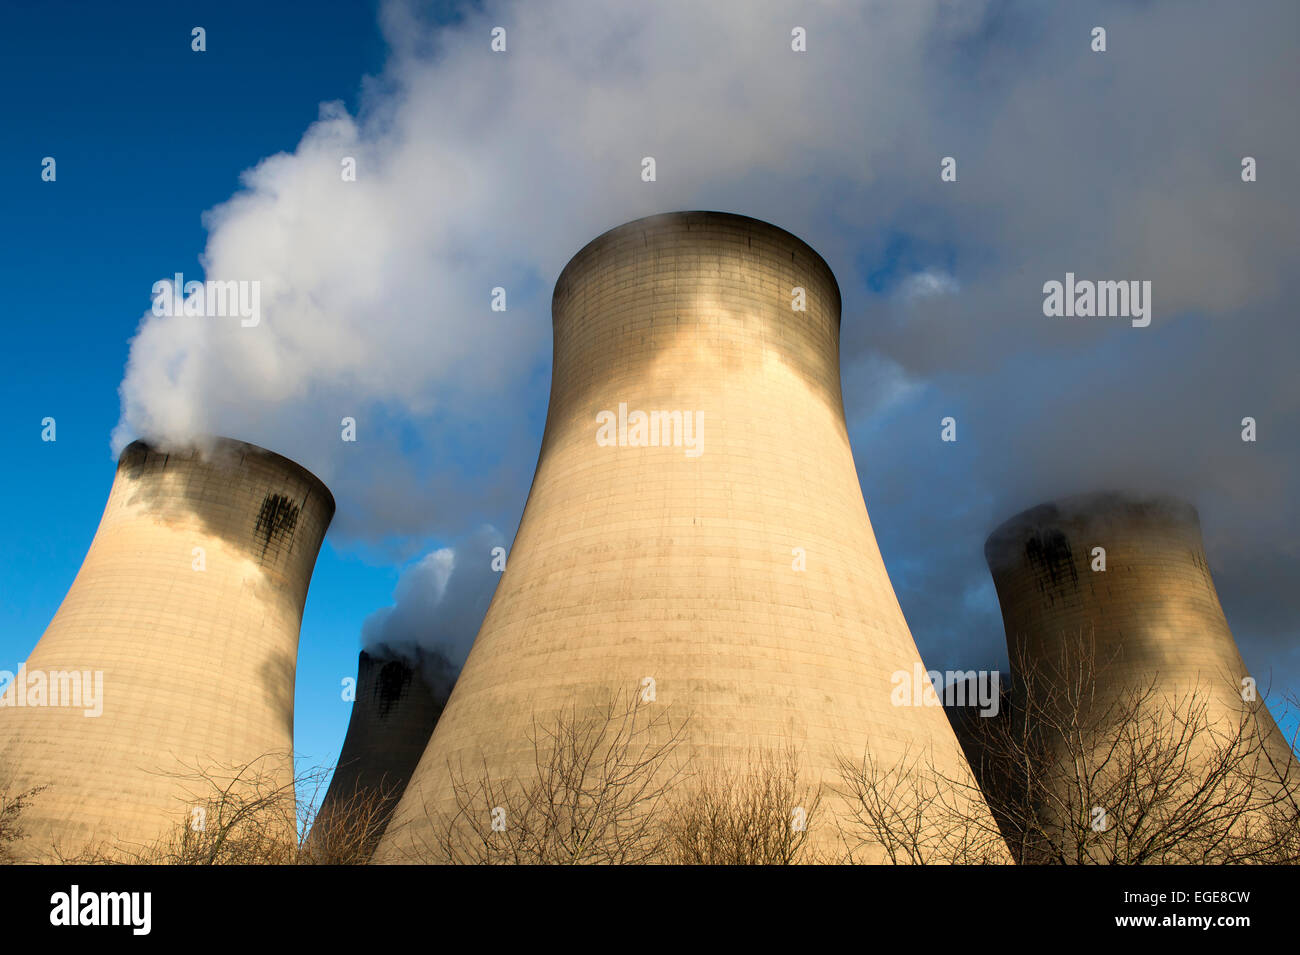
(184, 620)
(393, 715)
(1152, 613)
(695, 526)
(1151, 620)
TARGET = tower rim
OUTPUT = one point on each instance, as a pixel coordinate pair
(685, 216)
(1095, 506)
(221, 444)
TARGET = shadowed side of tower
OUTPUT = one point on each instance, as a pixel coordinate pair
(393, 715)
(981, 729)
(188, 607)
(695, 520)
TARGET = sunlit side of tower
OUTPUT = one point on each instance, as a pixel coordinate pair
(188, 607)
(695, 523)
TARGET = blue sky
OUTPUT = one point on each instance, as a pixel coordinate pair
(478, 171)
(147, 135)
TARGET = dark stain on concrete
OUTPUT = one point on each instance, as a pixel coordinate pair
(276, 520)
(1048, 552)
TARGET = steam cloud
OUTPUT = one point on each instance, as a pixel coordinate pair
(477, 169)
(439, 603)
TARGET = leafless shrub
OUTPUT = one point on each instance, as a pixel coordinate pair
(757, 816)
(250, 814)
(236, 815)
(1139, 775)
(12, 807)
(348, 830)
(908, 812)
(601, 777)
(1077, 772)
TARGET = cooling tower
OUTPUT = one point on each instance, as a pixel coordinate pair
(1147, 627)
(393, 715)
(188, 605)
(695, 526)
(1152, 613)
